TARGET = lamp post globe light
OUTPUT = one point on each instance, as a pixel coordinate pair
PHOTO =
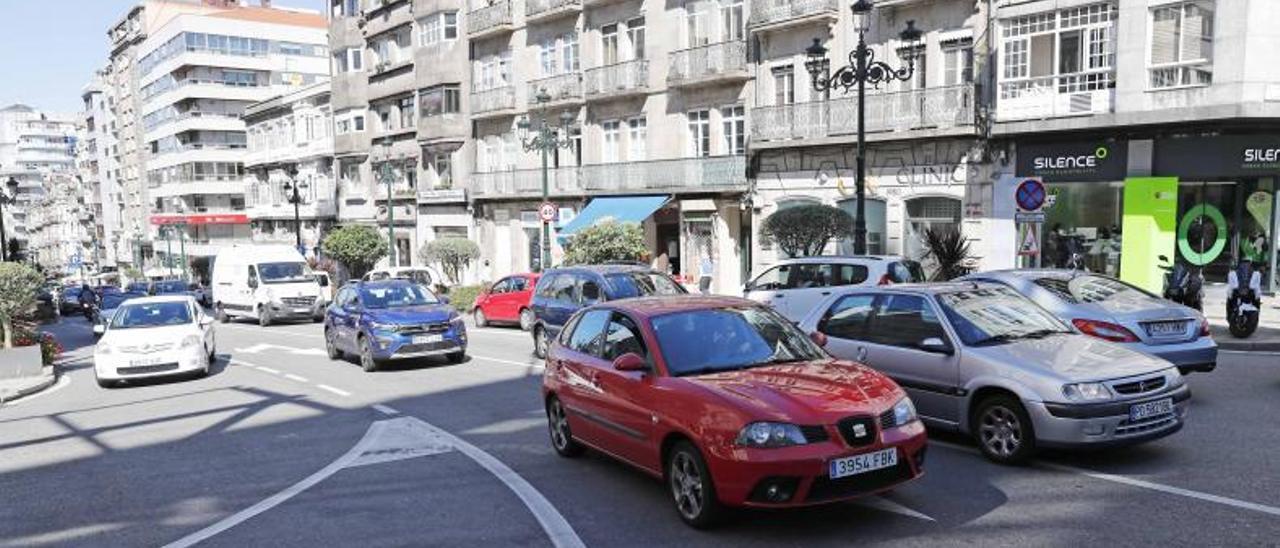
(293, 189)
(544, 137)
(6, 199)
(863, 69)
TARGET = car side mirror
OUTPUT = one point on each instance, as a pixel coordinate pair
(444, 299)
(630, 362)
(253, 284)
(99, 329)
(819, 338)
(936, 345)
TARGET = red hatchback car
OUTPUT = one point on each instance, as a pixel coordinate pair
(729, 403)
(507, 301)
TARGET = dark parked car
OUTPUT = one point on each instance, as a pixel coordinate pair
(563, 291)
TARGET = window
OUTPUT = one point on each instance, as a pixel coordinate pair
(1182, 44)
(503, 286)
(621, 337)
(406, 112)
(847, 319)
(784, 85)
(635, 35)
(696, 32)
(349, 60)
(699, 133)
(569, 50)
(547, 57)
(637, 139)
(587, 332)
(734, 120)
(612, 141)
(444, 170)
(519, 283)
(731, 17)
(563, 289)
(957, 66)
(904, 320)
(609, 44)
(438, 27)
(1064, 51)
(357, 122)
(589, 293)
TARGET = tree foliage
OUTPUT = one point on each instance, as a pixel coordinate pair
(454, 255)
(609, 241)
(19, 288)
(949, 251)
(358, 247)
(804, 231)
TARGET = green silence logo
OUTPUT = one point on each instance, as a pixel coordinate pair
(1101, 153)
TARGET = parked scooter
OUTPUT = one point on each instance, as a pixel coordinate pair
(1183, 283)
(1244, 299)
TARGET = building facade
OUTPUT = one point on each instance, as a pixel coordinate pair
(290, 142)
(37, 150)
(96, 168)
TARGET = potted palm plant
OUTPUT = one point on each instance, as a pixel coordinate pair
(949, 250)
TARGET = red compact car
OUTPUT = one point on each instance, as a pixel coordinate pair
(507, 301)
(727, 402)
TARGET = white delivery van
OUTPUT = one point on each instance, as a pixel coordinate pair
(266, 283)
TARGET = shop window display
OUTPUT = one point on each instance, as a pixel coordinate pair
(1082, 226)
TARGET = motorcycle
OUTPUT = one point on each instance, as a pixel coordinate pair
(1244, 290)
(1183, 284)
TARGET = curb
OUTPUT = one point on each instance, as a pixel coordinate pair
(45, 381)
(1226, 341)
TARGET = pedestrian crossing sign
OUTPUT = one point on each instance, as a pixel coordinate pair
(1029, 245)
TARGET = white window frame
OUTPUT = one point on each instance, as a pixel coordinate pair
(784, 84)
(609, 43)
(733, 122)
(436, 28)
(636, 37)
(699, 133)
(1018, 34)
(1184, 71)
(611, 141)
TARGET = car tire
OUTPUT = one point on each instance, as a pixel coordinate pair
(213, 355)
(558, 428)
(264, 315)
(690, 485)
(221, 313)
(481, 320)
(366, 356)
(526, 319)
(105, 383)
(540, 342)
(331, 346)
(1003, 430)
(456, 357)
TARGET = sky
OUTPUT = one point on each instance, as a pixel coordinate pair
(50, 48)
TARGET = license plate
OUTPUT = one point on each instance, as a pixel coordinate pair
(1139, 411)
(302, 311)
(1165, 329)
(143, 362)
(866, 462)
(427, 339)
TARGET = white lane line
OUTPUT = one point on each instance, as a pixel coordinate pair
(268, 369)
(1248, 352)
(385, 410)
(278, 498)
(1133, 482)
(508, 362)
(297, 378)
(491, 331)
(337, 391)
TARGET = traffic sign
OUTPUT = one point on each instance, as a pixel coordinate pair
(1030, 245)
(548, 211)
(1030, 195)
(1029, 216)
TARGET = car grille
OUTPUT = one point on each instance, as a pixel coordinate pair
(1139, 386)
(434, 327)
(857, 431)
(1149, 424)
(825, 488)
(888, 420)
(144, 369)
(146, 348)
(815, 433)
(425, 347)
(299, 302)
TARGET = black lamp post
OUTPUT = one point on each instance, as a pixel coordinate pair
(546, 139)
(862, 69)
(292, 189)
(6, 199)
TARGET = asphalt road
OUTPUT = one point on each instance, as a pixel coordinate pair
(282, 446)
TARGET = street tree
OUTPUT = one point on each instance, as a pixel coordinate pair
(19, 288)
(358, 247)
(804, 231)
(605, 242)
(454, 255)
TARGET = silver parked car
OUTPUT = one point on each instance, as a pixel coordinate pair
(794, 286)
(981, 359)
(1115, 311)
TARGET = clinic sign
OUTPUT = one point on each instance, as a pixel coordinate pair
(1073, 161)
(1218, 156)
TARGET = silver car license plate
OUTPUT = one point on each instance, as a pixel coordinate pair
(143, 362)
(1167, 329)
(866, 462)
(1139, 411)
(427, 339)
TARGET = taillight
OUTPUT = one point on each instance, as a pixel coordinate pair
(885, 280)
(1204, 327)
(1105, 330)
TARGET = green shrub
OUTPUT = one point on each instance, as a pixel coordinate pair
(608, 241)
(19, 287)
(358, 247)
(463, 297)
(803, 231)
(453, 254)
(50, 348)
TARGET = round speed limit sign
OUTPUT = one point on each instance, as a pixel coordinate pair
(547, 212)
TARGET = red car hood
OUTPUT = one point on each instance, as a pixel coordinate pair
(818, 392)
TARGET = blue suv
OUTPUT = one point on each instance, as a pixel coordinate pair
(563, 291)
(392, 320)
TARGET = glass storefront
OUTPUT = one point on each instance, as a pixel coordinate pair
(1083, 219)
(1222, 222)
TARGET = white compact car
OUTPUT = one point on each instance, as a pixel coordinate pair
(154, 337)
(794, 286)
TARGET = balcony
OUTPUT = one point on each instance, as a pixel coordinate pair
(563, 88)
(493, 102)
(441, 195)
(780, 14)
(1079, 94)
(675, 175)
(525, 183)
(197, 188)
(544, 10)
(490, 20)
(709, 64)
(938, 109)
(388, 79)
(398, 192)
(443, 128)
(617, 80)
(378, 19)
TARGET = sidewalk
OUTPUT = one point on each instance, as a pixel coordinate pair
(12, 389)
(1265, 339)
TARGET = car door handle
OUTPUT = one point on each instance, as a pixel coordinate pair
(862, 353)
(825, 293)
(778, 295)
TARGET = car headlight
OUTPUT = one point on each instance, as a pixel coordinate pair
(388, 327)
(904, 412)
(1176, 378)
(771, 434)
(1086, 391)
(191, 341)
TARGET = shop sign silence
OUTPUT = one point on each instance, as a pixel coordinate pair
(1073, 161)
(1218, 156)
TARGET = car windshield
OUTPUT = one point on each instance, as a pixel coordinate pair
(279, 273)
(397, 296)
(727, 339)
(132, 316)
(1088, 288)
(642, 284)
(416, 276)
(992, 315)
(170, 287)
(114, 300)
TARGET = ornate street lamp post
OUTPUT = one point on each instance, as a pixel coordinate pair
(292, 189)
(546, 138)
(862, 69)
(388, 178)
(12, 198)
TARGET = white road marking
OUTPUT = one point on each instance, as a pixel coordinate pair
(403, 438)
(885, 505)
(492, 331)
(298, 378)
(508, 362)
(1133, 482)
(385, 410)
(508, 426)
(337, 391)
(261, 347)
(1248, 352)
(268, 369)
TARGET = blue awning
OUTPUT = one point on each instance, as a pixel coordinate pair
(623, 209)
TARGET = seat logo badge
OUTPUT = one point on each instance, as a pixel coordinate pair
(859, 430)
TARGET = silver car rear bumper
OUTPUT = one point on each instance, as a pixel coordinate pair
(1103, 425)
(1198, 355)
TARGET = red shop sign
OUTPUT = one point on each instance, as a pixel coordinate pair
(205, 219)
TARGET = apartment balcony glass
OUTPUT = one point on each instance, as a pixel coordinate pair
(619, 79)
(1076, 94)
(491, 101)
(525, 182)
(784, 13)
(724, 61)
(537, 10)
(692, 174)
(490, 19)
(937, 108)
(561, 87)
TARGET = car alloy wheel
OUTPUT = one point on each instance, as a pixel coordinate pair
(1004, 430)
(366, 356)
(222, 315)
(561, 436)
(526, 319)
(331, 345)
(691, 486)
(264, 316)
(540, 342)
(480, 318)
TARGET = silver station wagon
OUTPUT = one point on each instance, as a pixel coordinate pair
(983, 360)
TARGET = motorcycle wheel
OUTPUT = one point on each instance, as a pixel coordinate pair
(1242, 327)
